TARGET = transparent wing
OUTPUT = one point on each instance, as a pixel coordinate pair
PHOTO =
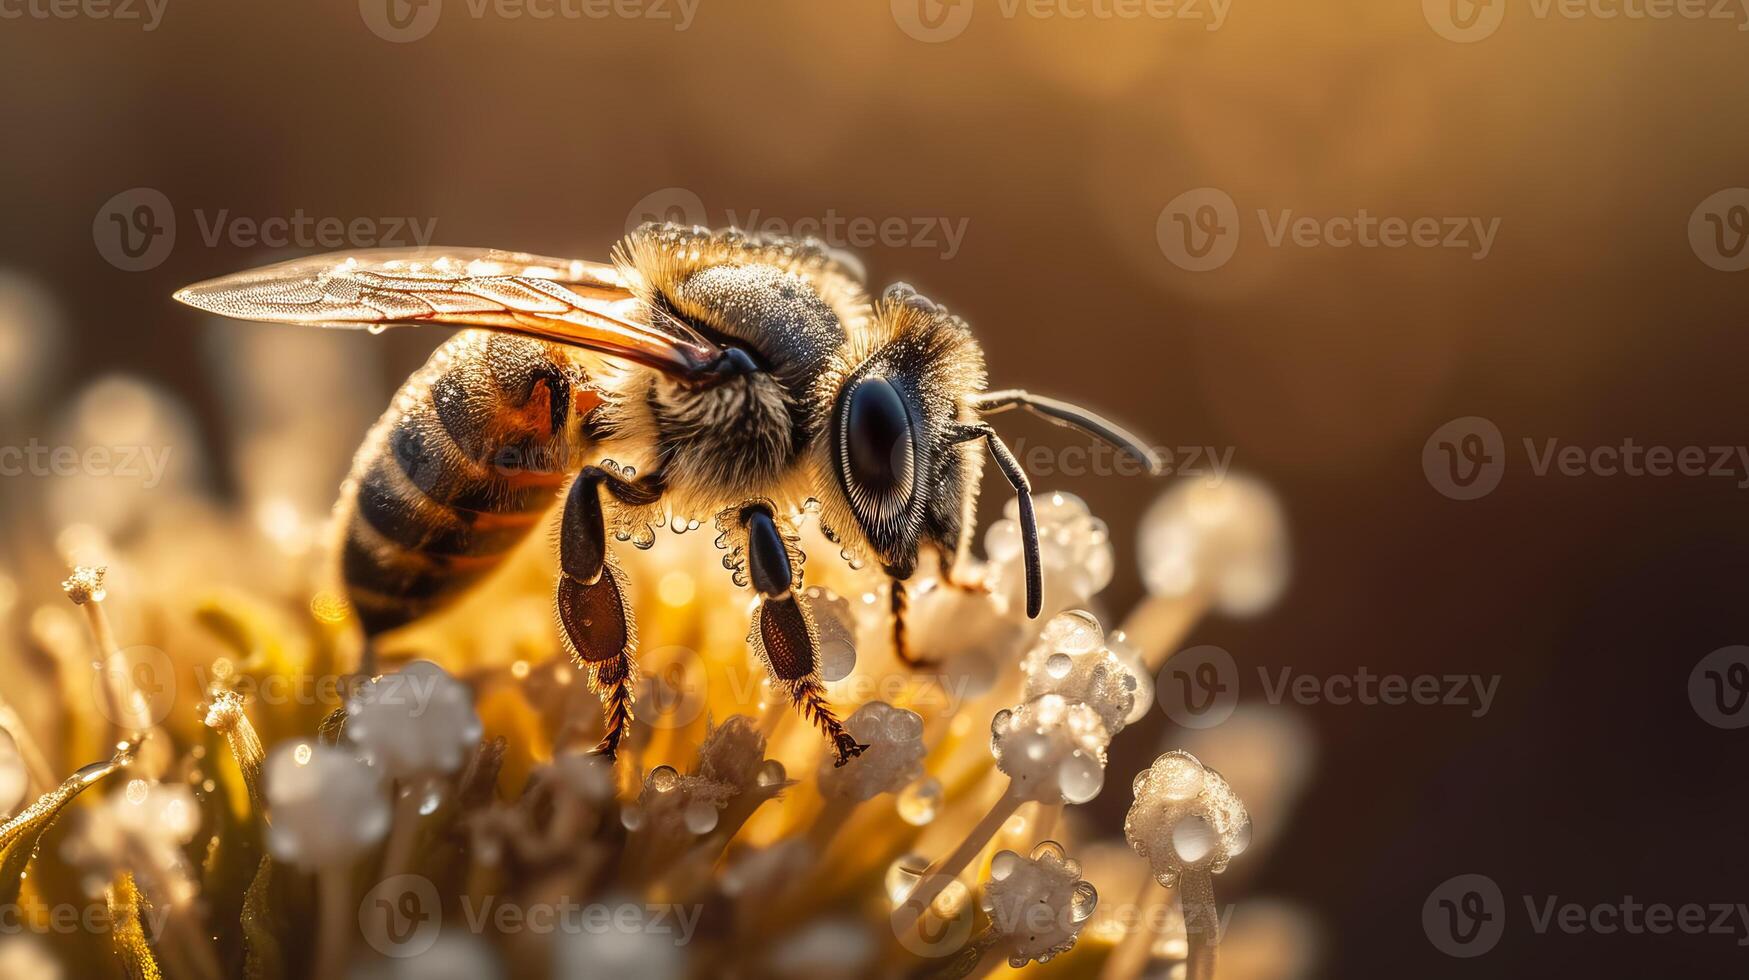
(569, 301)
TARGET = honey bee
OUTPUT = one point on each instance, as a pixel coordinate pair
(696, 376)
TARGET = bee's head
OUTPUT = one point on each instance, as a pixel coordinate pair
(895, 472)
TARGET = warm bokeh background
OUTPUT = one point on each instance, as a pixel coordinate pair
(1057, 143)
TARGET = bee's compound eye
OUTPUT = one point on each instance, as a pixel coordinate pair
(878, 444)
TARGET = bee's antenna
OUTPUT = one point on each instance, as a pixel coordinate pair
(1074, 417)
(1010, 467)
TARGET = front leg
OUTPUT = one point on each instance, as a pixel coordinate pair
(899, 604)
(783, 631)
(593, 612)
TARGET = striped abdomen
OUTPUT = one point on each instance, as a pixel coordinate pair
(466, 461)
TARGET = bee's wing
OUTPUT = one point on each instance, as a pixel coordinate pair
(568, 301)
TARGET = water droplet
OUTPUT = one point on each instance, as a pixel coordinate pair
(771, 773)
(1084, 901)
(663, 779)
(1193, 838)
(1178, 776)
(1080, 778)
(700, 817)
(1003, 865)
(1083, 635)
(1058, 665)
(1050, 849)
(919, 802)
(1241, 840)
(632, 818)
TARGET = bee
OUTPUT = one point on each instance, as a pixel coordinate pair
(695, 376)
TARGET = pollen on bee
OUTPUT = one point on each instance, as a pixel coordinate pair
(329, 607)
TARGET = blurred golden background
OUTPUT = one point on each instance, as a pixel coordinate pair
(1025, 163)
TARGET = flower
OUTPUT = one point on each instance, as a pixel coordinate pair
(326, 806)
(1071, 659)
(1037, 904)
(414, 722)
(465, 771)
(1052, 748)
(1185, 818)
(894, 756)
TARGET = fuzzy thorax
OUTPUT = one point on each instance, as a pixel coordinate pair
(727, 441)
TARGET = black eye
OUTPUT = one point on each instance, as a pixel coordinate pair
(878, 448)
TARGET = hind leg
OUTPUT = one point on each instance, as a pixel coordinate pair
(594, 616)
(783, 632)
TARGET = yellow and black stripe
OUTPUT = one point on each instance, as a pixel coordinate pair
(468, 459)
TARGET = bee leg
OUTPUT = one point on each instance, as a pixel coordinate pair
(785, 633)
(899, 601)
(593, 612)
